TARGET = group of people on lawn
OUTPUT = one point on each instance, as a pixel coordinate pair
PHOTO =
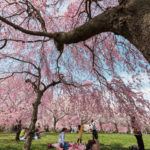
(36, 135)
(92, 144)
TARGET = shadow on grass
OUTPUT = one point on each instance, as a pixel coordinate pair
(6, 140)
(40, 147)
(8, 148)
(112, 147)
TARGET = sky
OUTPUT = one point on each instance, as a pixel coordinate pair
(145, 83)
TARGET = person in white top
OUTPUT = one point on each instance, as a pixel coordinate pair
(61, 139)
(93, 128)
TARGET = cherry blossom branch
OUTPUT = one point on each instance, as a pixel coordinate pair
(17, 27)
(20, 60)
(22, 41)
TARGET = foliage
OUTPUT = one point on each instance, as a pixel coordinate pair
(69, 42)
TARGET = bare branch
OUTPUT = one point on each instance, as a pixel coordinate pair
(22, 41)
(20, 72)
(3, 78)
(53, 83)
(14, 58)
(33, 84)
(5, 43)
(17, 27)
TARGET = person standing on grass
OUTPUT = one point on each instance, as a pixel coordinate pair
(96, 145)
(80, 130)
(61, 141)
(18, 130)
(94, 132)
(137, 133)
(38, 131)
(93, 144)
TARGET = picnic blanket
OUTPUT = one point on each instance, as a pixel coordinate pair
(72, 146)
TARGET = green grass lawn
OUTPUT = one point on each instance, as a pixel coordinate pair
(107, 141)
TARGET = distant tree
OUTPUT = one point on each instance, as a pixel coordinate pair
(57, 108)
(16, 101)
(33, 76)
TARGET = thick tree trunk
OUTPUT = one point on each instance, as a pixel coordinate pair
(18, 131)
(130, 19)
(17, 135)
(129, 130)
(55, 122)
(31, 130)
(140, 142)
(116, 128)
(101, 126)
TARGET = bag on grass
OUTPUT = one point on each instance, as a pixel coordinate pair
(50, 146)
(133, 147)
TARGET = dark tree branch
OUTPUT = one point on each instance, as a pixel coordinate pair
(5, 43)
(125, 20)
(22, 41)
(53, 83)
(3, 78)
(17, 59)
(20, 72)
(33, 84)
(17, 27)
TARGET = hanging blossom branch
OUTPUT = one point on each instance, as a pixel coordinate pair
(22, 41)
(17, 27)
(11, 75)
(20, 60)
(36, 84)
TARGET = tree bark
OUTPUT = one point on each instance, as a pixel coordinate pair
(55, 122)
(101, 126)
(140, 142)
(130, 19)
(18, 131)
(128, 127)
(116, 128)
(31, 130)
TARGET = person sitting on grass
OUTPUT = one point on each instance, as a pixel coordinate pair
(22, 133)
(61, 141)
(21, 136)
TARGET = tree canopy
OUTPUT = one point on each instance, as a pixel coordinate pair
(77, 44)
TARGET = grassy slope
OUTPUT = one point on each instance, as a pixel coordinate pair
(108, 141)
